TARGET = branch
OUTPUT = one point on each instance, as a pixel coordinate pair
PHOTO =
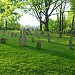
(55, 7)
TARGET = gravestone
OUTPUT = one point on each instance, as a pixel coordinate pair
(32, 39)
(12, 34)
(41, 32)
(49, 37)
(22, 40)
(20, 31)
(3, 40)
(27, 31)
(39, 45)
(60, 34)
(70, 41)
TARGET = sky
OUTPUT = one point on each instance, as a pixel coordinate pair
(28, 19)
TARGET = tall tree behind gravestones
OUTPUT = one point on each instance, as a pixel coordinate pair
(60, 17)
(43, 7)
(7, 8)
(73, 18)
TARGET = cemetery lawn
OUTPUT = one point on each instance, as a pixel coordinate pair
(54, 58)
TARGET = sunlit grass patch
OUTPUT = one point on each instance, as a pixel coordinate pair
(54, 58)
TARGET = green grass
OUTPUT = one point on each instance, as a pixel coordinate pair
(54, 58)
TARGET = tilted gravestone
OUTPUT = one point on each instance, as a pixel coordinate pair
(22, 40)
(39, 45)
(3, 40)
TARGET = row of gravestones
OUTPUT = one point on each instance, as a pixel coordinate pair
(12, 34)
(22, 38)
(22, 41)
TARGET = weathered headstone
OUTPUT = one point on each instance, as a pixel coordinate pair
(60, 34)
(32, 39)
(39, 45)
(70, 41)
(41, 32)
(3, 40)
(20, 31)
(49, 37)
(12, 34)
(22, 40)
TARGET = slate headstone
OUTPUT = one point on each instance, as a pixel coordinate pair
(39, 45)
(22, 40)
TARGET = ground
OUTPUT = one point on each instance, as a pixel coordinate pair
(54, 58)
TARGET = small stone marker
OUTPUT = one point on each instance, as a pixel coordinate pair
(32, 39)
(22, 40)
(39, 45)
(49, 37)
(60, 34)
(20, 31)
(12, 34)
(3, 40)
(41, 32)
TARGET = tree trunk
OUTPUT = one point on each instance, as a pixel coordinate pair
(62, 21)
(70, 41)
(46, 16)
(46, 24)
(40, 25)
(40, 21)
(6, 25)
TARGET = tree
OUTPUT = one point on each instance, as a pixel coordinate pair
(7, 9)
(45, 8)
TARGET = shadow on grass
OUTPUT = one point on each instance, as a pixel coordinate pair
(64, 54)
